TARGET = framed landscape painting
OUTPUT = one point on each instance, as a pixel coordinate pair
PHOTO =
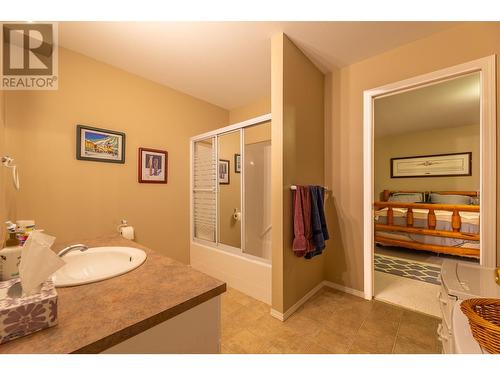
(153, 166)
(442, 165)
(95, 144)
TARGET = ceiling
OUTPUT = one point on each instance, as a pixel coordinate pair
(228, 63)
(445, 104)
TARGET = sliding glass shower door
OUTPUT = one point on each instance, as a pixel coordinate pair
(229, 195)
(257, 197)
(204, 179)
(231, 190)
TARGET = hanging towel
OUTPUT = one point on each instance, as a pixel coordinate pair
(306, 214)
(299, 242)
(319, 228)
(321, 206)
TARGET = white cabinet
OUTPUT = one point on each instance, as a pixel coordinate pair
(461, 281)
(195, 331)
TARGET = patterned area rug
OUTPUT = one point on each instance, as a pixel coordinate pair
(428, 273)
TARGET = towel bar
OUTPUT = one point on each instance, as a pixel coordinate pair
(294, 187)
(327, 191)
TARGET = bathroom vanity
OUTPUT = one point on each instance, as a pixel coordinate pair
(163, 306)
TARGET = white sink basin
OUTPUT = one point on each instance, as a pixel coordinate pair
(97, 264)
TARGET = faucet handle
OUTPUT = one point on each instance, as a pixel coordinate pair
(66, 250)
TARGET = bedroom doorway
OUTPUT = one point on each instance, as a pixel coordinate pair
(430, 186)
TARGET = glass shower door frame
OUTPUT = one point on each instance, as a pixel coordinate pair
(215, 134)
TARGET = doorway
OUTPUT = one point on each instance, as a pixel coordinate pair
(485, 191)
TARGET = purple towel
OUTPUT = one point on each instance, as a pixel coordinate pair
(318, 220)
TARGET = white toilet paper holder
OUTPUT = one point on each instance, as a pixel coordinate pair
(124, 223)
(7, 162)
(236, 215)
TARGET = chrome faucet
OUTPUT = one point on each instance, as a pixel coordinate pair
(66, 250)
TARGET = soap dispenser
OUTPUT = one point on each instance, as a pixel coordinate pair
(10, 255)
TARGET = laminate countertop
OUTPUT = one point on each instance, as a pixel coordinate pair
(97, 316)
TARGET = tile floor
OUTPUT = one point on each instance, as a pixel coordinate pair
(330, 322)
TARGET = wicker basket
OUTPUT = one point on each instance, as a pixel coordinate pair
(484, 321)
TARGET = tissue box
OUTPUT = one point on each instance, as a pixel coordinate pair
(20, 316)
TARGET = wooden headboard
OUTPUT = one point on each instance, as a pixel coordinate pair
(387, 193)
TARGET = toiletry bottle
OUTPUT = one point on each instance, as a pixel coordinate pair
(24, 228)
(10, 255)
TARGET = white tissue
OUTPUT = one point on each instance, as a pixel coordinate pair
(38, 262)
(127, 232)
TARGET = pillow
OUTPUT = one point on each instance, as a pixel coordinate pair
(407, 197)
(450, 199)
(474, 201)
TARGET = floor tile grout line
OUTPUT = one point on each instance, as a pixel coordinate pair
(350, 344)
(397, 334)
(357, 331)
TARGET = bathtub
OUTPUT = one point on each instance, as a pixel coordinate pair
(248, 274)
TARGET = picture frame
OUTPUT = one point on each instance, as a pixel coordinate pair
(237, 163)
(102, 145)
(438, 165)
(224, 172)
(152, 166)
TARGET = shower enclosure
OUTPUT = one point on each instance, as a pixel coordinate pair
(231, 205)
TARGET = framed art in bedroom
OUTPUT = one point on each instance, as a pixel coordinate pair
(440, 165)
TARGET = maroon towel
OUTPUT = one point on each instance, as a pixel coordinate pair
(306, 216)
(302, 226)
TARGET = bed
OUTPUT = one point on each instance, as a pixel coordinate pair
(445, 222)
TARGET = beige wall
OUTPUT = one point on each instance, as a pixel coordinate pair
(230, 195)
(71, 198)
(256, 108)
(258, 133)
(429, 142)
(451, 47)
(298, 158)
(277, 187)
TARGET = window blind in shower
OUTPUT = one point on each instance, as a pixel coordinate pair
(204, 190)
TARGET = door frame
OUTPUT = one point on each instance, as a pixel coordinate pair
(486, 67)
